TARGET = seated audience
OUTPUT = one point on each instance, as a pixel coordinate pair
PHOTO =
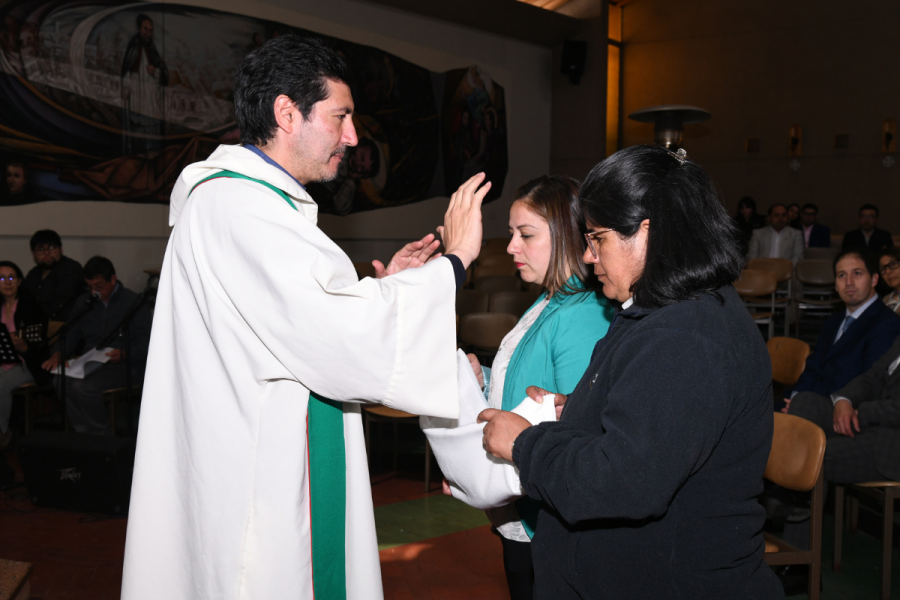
(27, 326)
(868, 236)
(861, 421)
(851, 340)
(777, 240)
(814, 235)
(84, 400)
(747, 219)
(889, 269)
(649, 480)
(793, 215)
(56, 280)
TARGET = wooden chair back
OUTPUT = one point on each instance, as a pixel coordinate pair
(364, 269)
(821, 253)
(755, 282)
(485, 331)
(498, 283)
(471, 301)
(798, 448)
(783, 268)
(485, 260)
(512, 303)
(495, 245)
(505, 268)
(816, 272)
(788, 359)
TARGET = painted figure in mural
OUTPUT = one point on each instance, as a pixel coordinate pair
(362, 162)
(144, 78)
(16, 182)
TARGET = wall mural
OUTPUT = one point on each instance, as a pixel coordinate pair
(110, 100)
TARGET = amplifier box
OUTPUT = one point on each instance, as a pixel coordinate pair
(75, 471)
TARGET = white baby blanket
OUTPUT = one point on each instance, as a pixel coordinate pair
(475, 476)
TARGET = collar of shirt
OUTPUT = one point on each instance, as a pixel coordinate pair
(893, 366)
(113, 293)
(627, 304)
(269, 160)
(859, 311)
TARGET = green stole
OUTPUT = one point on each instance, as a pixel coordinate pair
(327, 474)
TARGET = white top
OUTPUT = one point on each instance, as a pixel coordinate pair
(777, 236)
(505, 519)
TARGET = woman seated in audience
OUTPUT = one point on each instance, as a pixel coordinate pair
(889, 269)
(747, 219)
(552, 343)
(649, 481)
(24, 319)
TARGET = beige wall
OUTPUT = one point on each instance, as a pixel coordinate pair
(759, 67)
(134, 236)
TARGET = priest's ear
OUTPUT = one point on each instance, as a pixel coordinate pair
(287, 115)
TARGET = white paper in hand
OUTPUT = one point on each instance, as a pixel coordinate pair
(476, 477)
(86, 364)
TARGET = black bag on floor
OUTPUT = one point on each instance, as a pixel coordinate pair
(75, 471)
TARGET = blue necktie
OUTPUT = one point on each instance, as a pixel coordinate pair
(844, 326)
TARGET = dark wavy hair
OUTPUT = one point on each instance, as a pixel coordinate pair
(868, 259)
(555, 199)
(290, 65)
(693, 246)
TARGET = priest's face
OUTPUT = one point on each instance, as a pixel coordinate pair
(531, 245)
(318, 146)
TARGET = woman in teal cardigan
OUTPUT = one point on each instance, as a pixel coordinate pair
(552, 343)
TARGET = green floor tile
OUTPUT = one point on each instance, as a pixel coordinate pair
(416, 520)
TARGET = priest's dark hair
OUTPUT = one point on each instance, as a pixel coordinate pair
(290, 65)
(555, 199)
(99, 266)
(693, 246)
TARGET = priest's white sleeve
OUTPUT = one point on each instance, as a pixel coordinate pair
(391, 341)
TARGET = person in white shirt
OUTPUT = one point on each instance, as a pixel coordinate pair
(777, 240)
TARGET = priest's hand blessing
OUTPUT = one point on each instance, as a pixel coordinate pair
(462, 229)
(413, 255)
(501, 431)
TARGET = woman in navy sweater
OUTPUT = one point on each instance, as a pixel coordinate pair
(649, 481)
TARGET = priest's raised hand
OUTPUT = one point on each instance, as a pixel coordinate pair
(462, 229)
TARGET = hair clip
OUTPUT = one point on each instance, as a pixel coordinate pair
(680, 156)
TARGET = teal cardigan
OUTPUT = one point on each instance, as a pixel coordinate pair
(553, 354)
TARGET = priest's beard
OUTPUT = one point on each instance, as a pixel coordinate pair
(315, 167)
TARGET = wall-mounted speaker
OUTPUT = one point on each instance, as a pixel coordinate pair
(573, 57)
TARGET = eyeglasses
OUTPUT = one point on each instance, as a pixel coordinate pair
(13, 278)
(595, 235)
(45, 249)
(891, 266)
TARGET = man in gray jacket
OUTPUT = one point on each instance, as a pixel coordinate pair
(777, 240)
(861, 421)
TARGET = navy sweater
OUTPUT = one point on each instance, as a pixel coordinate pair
(650, 480)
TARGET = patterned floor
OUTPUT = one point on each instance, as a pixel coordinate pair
(431, 547)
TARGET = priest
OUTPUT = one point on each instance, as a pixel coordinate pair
(251, 479)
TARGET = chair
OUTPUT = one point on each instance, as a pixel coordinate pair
(783, 269)
(506, 268)
(364, 269)
(753, 286)
(483, 332)
(494, 259)
(535, 288)
(37, 401)
(788, 357)
(471, 301)
(498, 283)
(896, 240)
(837, 239)
(885, 492)
(512, 303)
(818, 294)
(795, 462)
(385, 414)
(117, 396)
(495, 246)
(821, 253)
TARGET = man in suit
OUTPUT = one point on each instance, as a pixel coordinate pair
(852, 340)
(868, 236)
(814, 235)
(777, 240)
(861, 422)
